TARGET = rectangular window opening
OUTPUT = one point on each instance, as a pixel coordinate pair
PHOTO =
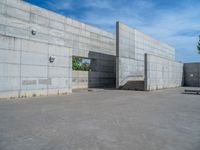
(81, 63)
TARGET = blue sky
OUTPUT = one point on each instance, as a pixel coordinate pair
(175, 22)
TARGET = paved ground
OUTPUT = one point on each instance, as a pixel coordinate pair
(102, 120)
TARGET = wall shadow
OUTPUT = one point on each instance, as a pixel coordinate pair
(103, 70)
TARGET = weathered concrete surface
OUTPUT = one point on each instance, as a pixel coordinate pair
(162, 73)
(102, 120)
(25, 69)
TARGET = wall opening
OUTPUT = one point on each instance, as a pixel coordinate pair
(82, 64)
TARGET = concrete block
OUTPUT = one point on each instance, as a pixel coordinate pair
(18, 4)
(56, 25)
(16, 23)
(16, 32)
(39, 11)
(7, 56)
(34, 46)
(9, 84)
(56, 33)
(2, 8)
(34, 71)
(2, 19)
(2, 29)
(59, 51)
(59, 83)
(9, 70)
(56, 41)
(17, 13)
(30, 58)
(57, 72)
(6, 42)
(34, 18)
(57, 17)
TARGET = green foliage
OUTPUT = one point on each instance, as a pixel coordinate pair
(77, 64)
(198, 46)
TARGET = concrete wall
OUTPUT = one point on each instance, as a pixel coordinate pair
(192, 74)
(161, 73)
(98, 45)
(25, 69)
(131, 47)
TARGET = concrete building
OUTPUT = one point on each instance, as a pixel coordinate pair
(37, 47)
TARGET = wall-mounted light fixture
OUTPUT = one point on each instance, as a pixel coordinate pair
(52, 59)
(33, 32)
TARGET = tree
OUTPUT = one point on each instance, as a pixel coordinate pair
(198, 46)
(76, 63)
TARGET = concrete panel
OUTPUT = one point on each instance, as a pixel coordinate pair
(192, 74)
(28, 58)
(2, 19)
(17, 13)
(56, 25)
(18, 4)
(57, 72)
(34, 71)
(41, 12)
(10, 43)
(2, 7)
(162, 73)
(59, 83)
(9, 70)
(40, 20)
(9, 84)
(16, 32)
(2, 29)
(33, 46)
(7, 56)
(59, 51)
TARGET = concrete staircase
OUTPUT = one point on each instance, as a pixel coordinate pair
(133, 83)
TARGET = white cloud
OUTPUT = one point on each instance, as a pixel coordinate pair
(176, 23)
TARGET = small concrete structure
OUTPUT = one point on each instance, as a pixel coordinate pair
(192, 74)
(162, 73)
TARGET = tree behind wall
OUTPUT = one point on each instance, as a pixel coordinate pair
(79, 64)
(198, 46)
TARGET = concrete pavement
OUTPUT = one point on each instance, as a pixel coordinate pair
(102, 120)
